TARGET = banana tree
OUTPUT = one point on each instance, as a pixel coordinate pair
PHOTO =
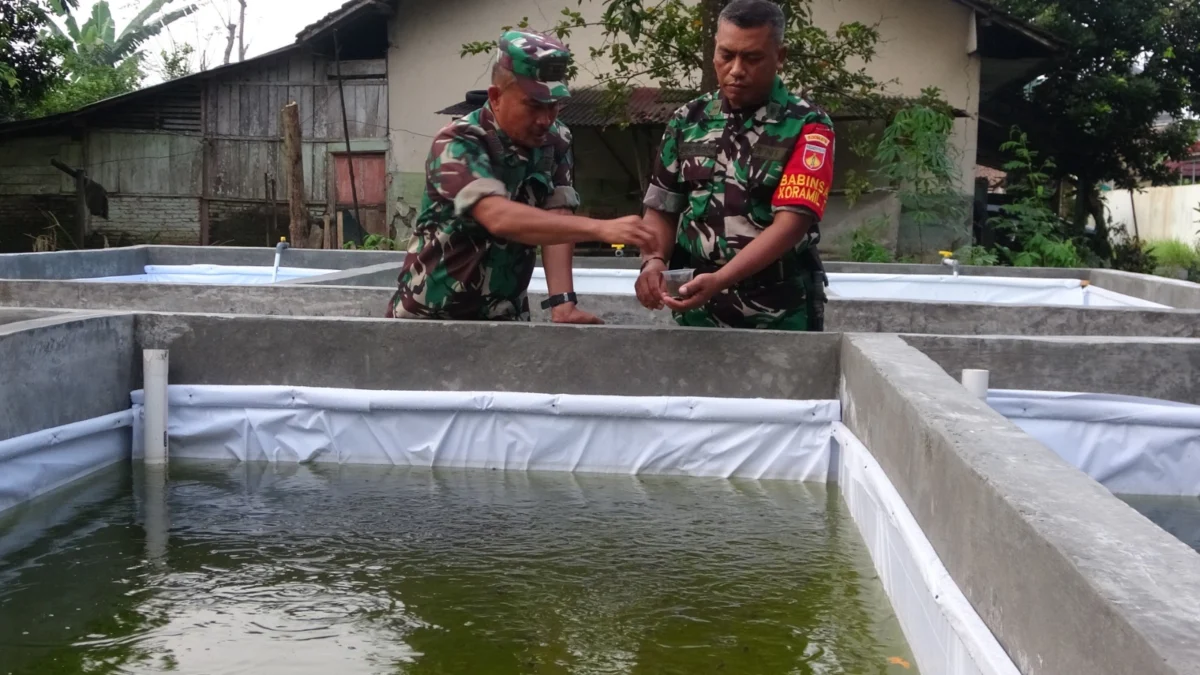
(98, 41)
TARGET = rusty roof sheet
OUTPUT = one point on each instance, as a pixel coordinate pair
(585, 108)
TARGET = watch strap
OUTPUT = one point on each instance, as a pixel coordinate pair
(560, 299)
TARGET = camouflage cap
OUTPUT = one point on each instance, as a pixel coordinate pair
(539, 63)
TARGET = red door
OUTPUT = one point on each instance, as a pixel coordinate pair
(370, 181)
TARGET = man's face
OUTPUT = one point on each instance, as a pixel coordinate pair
(525, 119)
(746, 60)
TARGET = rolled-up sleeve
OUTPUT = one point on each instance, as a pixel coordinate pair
(665, 192)
(460, 171)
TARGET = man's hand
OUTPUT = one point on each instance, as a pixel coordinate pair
(629, 230)
(569, 313)
(649, 287)
(696, 293)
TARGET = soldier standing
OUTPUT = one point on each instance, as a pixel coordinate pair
(739, 187)
(499, 184)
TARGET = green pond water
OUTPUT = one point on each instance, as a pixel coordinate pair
(1178, 515)
(247, 568)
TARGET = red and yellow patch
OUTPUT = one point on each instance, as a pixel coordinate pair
(808, 176)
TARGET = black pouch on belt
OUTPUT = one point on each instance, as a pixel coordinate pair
(815, 281)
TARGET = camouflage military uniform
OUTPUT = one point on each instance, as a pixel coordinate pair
(726, 173)
(455, 268)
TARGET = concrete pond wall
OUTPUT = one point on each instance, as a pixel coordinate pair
(842, 315)
(1069, 579)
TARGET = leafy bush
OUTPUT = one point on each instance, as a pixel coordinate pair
(1037, 229)
(976, 256)
(1172, 253)
(1130, 253)
(865, 248)
(374, 242)
(916, 156)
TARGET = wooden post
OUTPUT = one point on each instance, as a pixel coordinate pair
(337, 62)
(298, 212)
(81, 208)
(341, 238)
(328, 241)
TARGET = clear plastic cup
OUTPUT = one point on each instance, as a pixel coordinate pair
(675, 280)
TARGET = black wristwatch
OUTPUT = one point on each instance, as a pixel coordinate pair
(560, 299)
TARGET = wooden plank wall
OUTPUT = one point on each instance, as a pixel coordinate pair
(243, 122)
(145, 163)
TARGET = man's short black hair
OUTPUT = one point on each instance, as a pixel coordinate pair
(755, 14)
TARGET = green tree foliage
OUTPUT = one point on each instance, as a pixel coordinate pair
(670, 43)
(1127, 63)
(29, 66)
(177, 62)
(100, 62)
(1032, 223)
(916, 157)
(98, 41)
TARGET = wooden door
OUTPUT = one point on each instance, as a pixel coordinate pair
(370, 181)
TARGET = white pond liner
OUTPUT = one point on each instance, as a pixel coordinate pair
(37, 463)
(793, 440)
(223, 275)
(908, 287)
(1130, 445)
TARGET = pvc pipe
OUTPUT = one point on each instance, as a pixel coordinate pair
(278, 257)
(157, 518)
(154, 376)
(976, 382)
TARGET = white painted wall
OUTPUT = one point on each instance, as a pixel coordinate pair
(923, 43)
(1162, 212)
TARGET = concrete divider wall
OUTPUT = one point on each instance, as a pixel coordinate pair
(383, 275)
(286, 300)
(384, 354)
(57, 371)
(842, 315)
(1069, 579)
(1169, 292)
(1157, 368)
(109, 262)
(256, 257)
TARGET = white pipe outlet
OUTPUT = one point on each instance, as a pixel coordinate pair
(976, 382)
(154, 375)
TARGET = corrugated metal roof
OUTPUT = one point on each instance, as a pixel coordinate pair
(586, 107)
(647, 105)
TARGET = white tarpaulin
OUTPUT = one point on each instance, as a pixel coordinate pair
(226, 275)
(990, 290)
(591, 281)
(947, 636)
(1130, 445)
(752, 438)
(37, 463)
(911, 287)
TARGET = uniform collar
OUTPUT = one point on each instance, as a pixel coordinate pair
(487, 121)
(769, 112)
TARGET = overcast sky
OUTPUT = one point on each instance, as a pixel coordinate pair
(270, 24)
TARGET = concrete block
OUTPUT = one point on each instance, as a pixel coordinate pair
(1156, 368)
(429, 355)
(60, 370)
(1069, 579)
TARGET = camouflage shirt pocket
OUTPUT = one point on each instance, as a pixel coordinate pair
(766, 167)
(697, 163)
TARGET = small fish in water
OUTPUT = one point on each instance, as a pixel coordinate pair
(897, 661)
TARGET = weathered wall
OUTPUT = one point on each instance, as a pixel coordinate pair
(1156, 213)
(58, 371)
(380, 354)
(1156, 368)
(1069, 579)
